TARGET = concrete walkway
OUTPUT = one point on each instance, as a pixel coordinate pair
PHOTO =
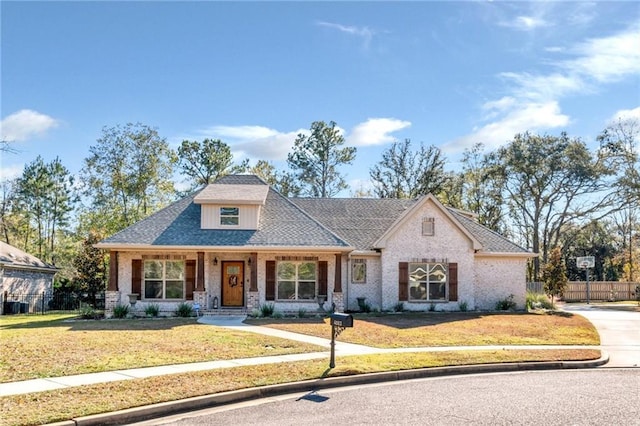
(236, 323)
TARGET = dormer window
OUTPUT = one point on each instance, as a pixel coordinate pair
(229, 216)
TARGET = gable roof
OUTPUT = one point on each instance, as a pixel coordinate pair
(12, 257)
(342, 224)
(282, 225)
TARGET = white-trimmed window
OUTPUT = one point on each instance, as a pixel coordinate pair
(428, 226)
(428, 281)
(164, 279)
(296, 280)
(358, 270)
(229, 216)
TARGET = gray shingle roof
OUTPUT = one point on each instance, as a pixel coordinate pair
(291, 222)
(12, 257)
(281, 224)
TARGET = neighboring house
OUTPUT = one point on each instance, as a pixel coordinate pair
(22, 275)
(238, 243)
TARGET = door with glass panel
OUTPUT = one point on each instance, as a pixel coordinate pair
(232, 284)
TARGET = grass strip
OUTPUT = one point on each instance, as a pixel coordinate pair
(52, 406)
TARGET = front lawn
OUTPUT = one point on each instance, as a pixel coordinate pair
(450, 329)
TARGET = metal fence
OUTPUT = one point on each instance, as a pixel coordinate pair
(40, 303)
(576, 291)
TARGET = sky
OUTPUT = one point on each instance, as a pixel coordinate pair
(257, 74)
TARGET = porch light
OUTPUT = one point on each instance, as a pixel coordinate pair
(215, 261)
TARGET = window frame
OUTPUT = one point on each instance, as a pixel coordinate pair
(296, 281)
(163, 279)
(428, 226)
(357, 264)
(234, 216)
(429, 268)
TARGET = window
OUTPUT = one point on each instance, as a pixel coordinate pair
(427, 281)
(229, 216)
(164, 279)
(359, 270)
(428, 226)
(296, 281)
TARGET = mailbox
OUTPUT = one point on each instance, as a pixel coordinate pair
(341, 320)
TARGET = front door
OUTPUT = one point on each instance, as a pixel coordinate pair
(232, 283)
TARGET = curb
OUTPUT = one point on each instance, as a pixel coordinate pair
(149, 412)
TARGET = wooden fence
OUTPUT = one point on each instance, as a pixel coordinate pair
(576, 291)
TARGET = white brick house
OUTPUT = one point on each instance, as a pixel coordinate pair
(238, 244)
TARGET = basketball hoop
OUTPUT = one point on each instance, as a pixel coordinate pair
(584, 265)
(586, 262)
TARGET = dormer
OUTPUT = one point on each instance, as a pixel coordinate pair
(229, 206)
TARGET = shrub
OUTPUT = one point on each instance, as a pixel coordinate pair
(87, 312)
(538, 301)
(152, 310)
(506, 304)
(267, 310)
(463, 306)
(255, 313)
(365, 307)
(432, 307)
(277, 314)
(398, 307)
(184, 310)
(120, 311)
(302, 313)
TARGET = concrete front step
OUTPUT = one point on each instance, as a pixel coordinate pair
(223, 312)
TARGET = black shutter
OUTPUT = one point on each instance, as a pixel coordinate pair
(322, 278)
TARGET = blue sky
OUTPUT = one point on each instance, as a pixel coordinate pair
(255, 74)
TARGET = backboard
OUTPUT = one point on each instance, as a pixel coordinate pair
(585, 262)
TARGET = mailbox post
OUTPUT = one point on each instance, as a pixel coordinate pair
(339, 322)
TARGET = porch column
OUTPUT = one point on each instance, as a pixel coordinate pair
(337, 297)
(253, 301)
(200, 272)
(112, 295)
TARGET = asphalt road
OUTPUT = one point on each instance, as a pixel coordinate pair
(570, 397)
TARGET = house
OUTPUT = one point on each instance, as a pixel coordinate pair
(238, 243)
(23, 277)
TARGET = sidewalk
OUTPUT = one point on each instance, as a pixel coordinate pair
(342, 348)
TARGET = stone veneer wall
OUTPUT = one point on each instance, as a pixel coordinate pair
(408, 243)
(497, 278)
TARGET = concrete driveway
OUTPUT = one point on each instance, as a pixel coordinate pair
(619, 331)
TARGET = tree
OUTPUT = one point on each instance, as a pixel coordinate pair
(316, 157)
(44, 197)
(548, 182)
(204, 162)
(403, 173)
(482, 188)
(282, 181)
(553, 276)
(128, 175)
(91, 267)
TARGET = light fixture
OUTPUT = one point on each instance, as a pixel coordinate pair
(215, 261)
(249, 262)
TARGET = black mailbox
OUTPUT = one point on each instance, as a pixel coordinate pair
(341, 320)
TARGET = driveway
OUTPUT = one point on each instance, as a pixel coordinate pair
(619, 331)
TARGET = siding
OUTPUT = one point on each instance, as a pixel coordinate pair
(247, 219)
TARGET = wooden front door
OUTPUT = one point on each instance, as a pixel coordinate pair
(232, 283)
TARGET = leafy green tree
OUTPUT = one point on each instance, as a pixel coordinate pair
(482, 188)
(282, 181)
(91, 267)
(45, 198)
(553, 276)
(127, 176)
(204, 162)
(403, 173)
(551, 181)
(316, 157)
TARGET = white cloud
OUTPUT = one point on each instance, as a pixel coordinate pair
(626, 114)
(525, 23)
(11, 172)
(364, 33)
(25, 124)
(519, 118)
(532, 102)
(375, 131)
(255, 142)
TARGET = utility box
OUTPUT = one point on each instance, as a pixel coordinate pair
(341, 320)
